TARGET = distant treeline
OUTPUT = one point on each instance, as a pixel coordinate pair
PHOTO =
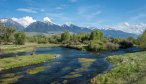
(94, 41)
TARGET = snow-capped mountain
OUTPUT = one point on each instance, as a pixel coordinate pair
(130, 28)
(10, 22)
(47, 26)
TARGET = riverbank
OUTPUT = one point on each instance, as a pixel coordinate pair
(5, 49)
(14, 62)
(129, 68)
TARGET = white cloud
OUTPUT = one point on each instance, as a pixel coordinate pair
(28, 10)
(3, 20)
(47, 19)
(130, 28)
(25, 21)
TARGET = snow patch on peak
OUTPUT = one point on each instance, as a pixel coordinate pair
(68, 24)
(47, 19)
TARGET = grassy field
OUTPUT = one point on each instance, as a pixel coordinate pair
(128, 69)
(13, 62)
(23, 48)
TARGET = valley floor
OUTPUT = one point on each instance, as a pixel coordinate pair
(128, 69)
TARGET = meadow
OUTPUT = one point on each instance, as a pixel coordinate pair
(128, 69)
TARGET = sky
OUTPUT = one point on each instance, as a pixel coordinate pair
(95, 13)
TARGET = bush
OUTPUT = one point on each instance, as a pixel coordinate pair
(65, 36)
(20, 38)
(112, 46)
(125, 44)
(96, 46)
(143, 40)
(96, 35)
(42, 41)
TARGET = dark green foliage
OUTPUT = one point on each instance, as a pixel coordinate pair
(65, 36)
(96, 35)
(2, 29)
(125, 44)
(20, 38)
(143, 40)
(101, 46)
(54, 39)
(6, 34)
(95, 45)
(40, 39)
(116, 40)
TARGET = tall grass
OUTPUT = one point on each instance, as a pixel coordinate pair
(128, 69)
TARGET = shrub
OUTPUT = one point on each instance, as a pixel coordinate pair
(143, 40)
(20, 38)
(95, 45)
(96, 35)
(112, 46)
(125, 44)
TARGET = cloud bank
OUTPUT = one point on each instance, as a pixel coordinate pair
(25, 21)
(130, 28)
(28, 10)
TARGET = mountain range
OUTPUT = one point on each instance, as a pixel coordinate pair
(50, 27)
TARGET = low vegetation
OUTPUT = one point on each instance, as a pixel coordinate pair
(23, 48)
(129, 69)
(142, 40)
(13, 62)
(94, 41)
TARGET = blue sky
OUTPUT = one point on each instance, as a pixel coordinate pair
(79, 12)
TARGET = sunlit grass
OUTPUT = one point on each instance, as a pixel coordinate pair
(23, 48)
(10, 80)
(129, 68)
(36, 70)
(13, 62)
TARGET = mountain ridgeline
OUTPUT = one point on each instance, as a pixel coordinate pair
(49, 27)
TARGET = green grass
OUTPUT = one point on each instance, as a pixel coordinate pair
(24, 48)
(13, 62)
(36, 70)
(10, 80)
(129, 69)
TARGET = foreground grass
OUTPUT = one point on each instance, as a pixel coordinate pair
(129, 69)
(13, 62)
(23, 48)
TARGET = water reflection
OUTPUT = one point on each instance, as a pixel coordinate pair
(73, 66)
